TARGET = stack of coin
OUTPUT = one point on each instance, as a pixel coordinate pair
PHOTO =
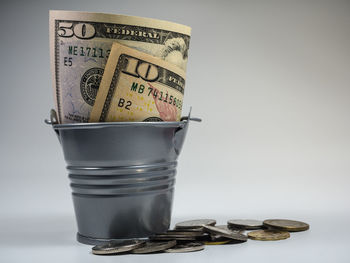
(248, 224)
(278, 229)
(193, 235)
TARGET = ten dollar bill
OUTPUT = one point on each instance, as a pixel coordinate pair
(138, 87)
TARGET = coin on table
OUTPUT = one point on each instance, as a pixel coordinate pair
(198, 223)
(172, 237)
(117, 247)
(203, 237)
(198, 229)
(223, 242)
(152, 247)
(187, 247)
(248, 224)
(217, 240)
(226, 227)
(183, 232)
(225, 232)
(184, 235)
(286, 225)
(268, 235)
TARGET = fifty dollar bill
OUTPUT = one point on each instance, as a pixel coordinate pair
(138, 87)
(80, 44)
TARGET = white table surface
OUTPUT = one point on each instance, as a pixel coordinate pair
(52, 239)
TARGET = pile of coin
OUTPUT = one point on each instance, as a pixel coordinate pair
(193, 235)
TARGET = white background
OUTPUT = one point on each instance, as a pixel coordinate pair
(270, 79)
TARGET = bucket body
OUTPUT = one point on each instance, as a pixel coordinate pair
(122, 176)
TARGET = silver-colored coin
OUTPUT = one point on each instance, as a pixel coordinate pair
(203, 237)
(225, 233)
(152, 247)
(198, 229)
(198, 223)
(225, 227)
(172, 237)
(188, 247)
(183, 232)
(249, 224)
(117, 247)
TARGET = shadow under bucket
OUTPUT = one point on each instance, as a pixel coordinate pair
(122, 176)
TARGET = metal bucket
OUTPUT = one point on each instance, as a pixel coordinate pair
(122, 176)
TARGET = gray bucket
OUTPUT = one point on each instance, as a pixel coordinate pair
(122, 176)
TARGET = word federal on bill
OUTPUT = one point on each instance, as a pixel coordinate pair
(80, 44)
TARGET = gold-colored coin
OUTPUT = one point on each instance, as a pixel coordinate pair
(268, 235)
(286, 225)
(217, 242)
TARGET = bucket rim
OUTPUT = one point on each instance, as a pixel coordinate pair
(96, 125)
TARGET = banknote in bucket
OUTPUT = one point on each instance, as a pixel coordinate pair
(80, 43)
(138, 87)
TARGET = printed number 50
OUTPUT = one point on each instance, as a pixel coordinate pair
(80, 30)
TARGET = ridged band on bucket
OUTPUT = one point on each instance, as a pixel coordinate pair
(122, 180)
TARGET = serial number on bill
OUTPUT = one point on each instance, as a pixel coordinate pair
(159, 95)
(93, 52)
